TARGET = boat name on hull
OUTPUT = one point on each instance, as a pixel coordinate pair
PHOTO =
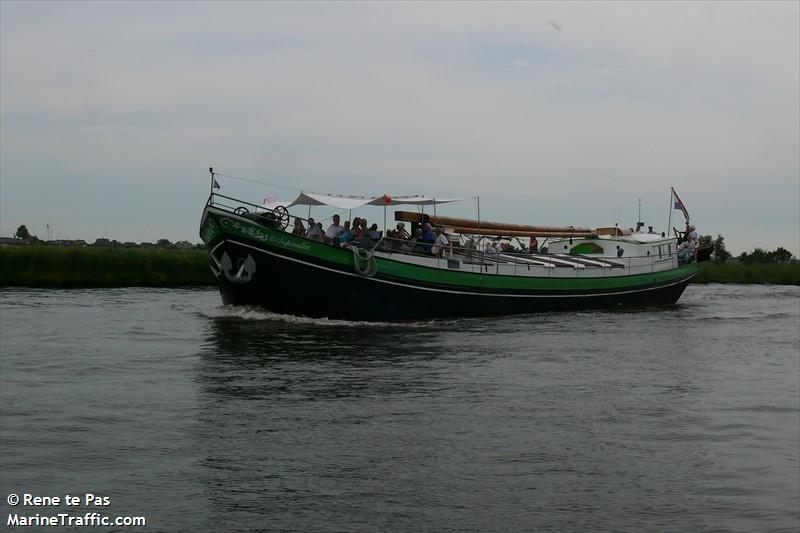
(256, 234)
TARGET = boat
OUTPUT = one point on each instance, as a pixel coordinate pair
(484, 269)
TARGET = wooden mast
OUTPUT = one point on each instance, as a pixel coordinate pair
(467, 226)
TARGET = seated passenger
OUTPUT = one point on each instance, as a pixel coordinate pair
(335, 229)
(413, 243)
(373, 233)
(534, 246)
(299, 228)
(347, 234)
(400, 231)
(314, 230)
(397, 236)
(358, 234)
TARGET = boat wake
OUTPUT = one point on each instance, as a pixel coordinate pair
(258, 314)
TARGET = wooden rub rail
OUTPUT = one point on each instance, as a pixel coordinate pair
(467, 226)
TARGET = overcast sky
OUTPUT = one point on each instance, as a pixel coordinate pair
(554, 113)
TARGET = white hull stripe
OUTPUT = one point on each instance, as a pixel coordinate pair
(448, 291)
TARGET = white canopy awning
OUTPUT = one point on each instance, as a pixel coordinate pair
(352, 202)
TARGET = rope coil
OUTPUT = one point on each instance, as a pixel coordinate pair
(365, 265)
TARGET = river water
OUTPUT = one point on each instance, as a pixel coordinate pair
(205, 418)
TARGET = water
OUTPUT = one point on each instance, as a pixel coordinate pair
(205, 418)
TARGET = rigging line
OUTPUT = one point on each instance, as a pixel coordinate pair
(261, 182)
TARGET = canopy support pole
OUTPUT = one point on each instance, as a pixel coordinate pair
(479, 210)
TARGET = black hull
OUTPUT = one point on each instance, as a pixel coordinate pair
(295, 287)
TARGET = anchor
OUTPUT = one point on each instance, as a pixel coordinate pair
(224, 265)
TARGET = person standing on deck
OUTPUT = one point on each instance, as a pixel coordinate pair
(428, 237)
(694, 235)
(441, 242)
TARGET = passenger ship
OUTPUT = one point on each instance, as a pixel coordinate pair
(259, 262)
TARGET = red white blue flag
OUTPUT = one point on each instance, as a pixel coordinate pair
(679, 205)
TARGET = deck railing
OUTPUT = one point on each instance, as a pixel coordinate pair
(481, 261)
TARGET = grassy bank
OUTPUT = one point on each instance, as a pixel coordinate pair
(741, 273)
(61, 266)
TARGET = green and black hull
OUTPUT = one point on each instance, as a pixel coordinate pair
(266, 267)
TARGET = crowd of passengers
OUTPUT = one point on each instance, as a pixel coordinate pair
(360, 234)
(427, 240)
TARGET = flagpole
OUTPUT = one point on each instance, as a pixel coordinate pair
(669, 220)
(211, 190)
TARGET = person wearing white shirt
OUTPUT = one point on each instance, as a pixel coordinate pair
(335, 229)
(440, 243)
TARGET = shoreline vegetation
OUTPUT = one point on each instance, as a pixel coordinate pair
(87, 267)
(94, 266)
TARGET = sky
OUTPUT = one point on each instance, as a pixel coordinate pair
(563, 113)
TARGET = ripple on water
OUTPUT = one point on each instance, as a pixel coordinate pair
(186, 411)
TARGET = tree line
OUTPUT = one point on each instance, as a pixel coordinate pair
(757, 256)
(24, 234)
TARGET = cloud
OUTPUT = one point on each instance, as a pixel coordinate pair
(120, 107)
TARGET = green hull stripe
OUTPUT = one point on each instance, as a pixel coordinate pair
(316, 250)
